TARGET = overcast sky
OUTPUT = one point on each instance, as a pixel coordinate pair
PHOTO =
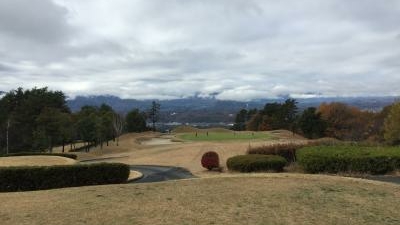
(233, 49)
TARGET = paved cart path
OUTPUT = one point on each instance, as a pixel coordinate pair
(160, 173)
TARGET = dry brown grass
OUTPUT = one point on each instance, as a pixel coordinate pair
(286, 135)
(255, 199)
(182, 154)
(35, 161)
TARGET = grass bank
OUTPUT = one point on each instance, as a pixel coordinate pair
(265, 199)
(225, 136)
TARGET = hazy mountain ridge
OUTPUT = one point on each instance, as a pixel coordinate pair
(197, 109)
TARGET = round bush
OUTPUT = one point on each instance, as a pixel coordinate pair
(210, 160)
(254, 163)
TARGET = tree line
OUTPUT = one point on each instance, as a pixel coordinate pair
(39, 119)
(336, 120)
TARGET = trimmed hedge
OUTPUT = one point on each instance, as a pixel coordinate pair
(330, 159)
(48, 177)
(255, 163)
(286, 150)
(71, 156)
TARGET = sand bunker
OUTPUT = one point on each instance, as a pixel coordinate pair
(157, 141)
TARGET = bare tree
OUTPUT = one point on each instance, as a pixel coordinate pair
(7, 136)
(118, 124)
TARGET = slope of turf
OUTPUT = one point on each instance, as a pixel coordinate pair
(275, 200)
(224, 136)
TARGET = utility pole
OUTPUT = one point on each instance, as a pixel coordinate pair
(8, 127)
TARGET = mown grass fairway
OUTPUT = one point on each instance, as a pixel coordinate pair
(225, 136)
(253, 199)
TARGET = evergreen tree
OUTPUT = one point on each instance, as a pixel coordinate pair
(19, 111)
(311, 123)
(135, 121)
(154, 113)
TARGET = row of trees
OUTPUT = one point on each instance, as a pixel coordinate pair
(38, 119)
(336, 120)
(272, 117)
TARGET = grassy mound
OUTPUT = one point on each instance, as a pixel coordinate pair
(185, 129)
(71, 156)
(217, 130)
(334, 159)
(223, 136)
(36, 160)
(274, 199)
(190, 129)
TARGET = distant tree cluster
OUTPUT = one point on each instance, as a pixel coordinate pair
(335, 119)
(39, 119)
(273, 116)
(242, 118)
(25, 120)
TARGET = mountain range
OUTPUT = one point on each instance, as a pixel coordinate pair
(211, 110)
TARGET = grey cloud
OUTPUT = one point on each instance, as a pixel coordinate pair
(39, 20)
(239, 49)
(6, 68)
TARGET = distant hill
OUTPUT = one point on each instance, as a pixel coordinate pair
(211, 110)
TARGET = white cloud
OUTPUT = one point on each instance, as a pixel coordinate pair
(233, 49)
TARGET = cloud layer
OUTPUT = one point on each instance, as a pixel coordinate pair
(234, 49)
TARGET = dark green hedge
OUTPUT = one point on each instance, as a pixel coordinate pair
(334, 159)
(286, 150)
(48, 177)
(254, 163)
(71, 156)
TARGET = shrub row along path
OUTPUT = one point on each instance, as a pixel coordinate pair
(153, 173)
(186, 154)
(182, 155)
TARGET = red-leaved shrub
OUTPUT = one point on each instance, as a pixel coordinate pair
(210, 160)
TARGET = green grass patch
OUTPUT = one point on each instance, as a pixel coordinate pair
(334, 159)
(225, 136)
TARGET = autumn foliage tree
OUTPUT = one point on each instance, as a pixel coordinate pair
(346, 122)
(392, 125)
